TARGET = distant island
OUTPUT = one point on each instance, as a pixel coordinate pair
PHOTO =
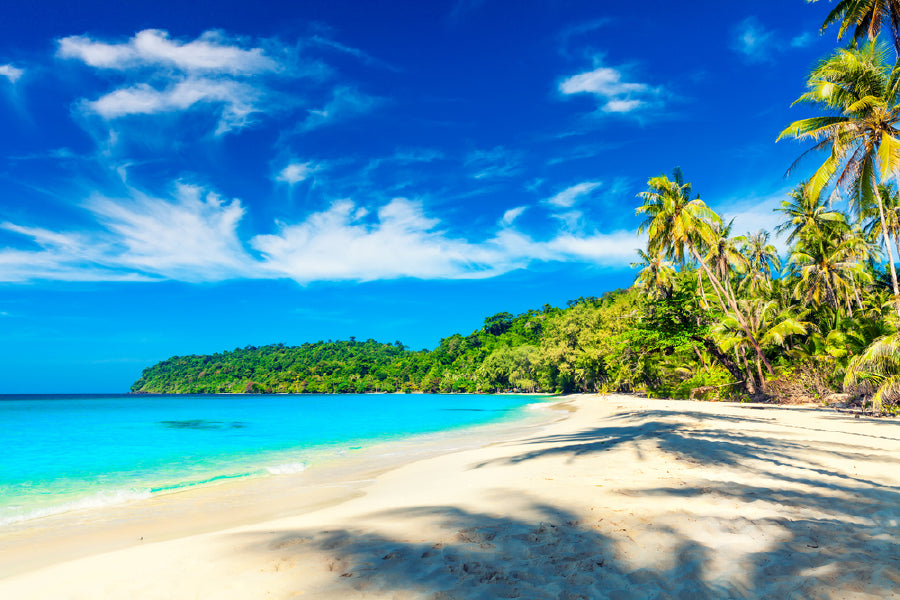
(547, 350)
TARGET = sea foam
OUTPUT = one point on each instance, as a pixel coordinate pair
(18, 514)
(286, 468)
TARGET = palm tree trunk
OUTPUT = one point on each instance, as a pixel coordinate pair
(737, 313)
(890, 254)
(700, 288)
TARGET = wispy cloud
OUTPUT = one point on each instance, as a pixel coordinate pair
(193, 236)
(569, 196)
(803, 40)
(212, 52)
(11, 72)
(753, 41)
(756, 43)
(496, 162)
(511, 215)
(155, 74)
(614, 93)
(345, 102)
(295, 172)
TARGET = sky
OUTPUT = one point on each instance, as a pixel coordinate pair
(191, 177)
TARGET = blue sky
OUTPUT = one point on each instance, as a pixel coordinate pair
(190, 177)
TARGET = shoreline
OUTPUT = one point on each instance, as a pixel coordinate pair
(620, 497)
(59, 537)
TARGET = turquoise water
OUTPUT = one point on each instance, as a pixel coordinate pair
(63, 453)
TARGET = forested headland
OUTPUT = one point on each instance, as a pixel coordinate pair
(715, 312)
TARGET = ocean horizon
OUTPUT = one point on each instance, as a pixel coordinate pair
(65, 452)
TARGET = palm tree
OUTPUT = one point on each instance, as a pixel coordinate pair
(879, 368)
(806, 215)
(828, 270)
(762, 258)
(724, 255)
(767, 323)
(657, 274)
(866, 17)
(861, 90)
(676, 223)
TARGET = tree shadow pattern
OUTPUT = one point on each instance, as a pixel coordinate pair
(837, 536)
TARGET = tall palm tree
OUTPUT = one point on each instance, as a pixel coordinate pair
(866, 17)
(828, 270)
(879, 368)
(767, 323)
(861, 92)
(676, 223)
(806, 215)
(724, 255)
(657, 274)
(762, 258)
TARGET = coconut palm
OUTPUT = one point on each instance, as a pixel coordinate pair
(828, 270)
(724, 255)
(762, 258)
(806, 215)
(860, 91)
(866, 17)
(768, 324)
(657, 274)
(878, 369)
(676, 223)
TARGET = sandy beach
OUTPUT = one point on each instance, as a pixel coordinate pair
(608, 497)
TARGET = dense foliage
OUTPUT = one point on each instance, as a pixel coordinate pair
(546, 350)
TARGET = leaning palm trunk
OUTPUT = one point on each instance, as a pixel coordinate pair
(737, 313)
(890, 254)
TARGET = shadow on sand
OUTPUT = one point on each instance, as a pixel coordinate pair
(831, 534)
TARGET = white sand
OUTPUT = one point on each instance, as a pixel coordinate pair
(624, 498)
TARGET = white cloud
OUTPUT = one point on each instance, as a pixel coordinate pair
(345, 102)
(296, 172)
(753, 41)
(211, 52)
(190, 237)
(498, 162)
(614, 94)
(569, 196)
(511, 215)
(194, 236)
(159, 75)
(803, 40)
(11, 73)
(236, 100)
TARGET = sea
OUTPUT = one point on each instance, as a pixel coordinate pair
(61, 453)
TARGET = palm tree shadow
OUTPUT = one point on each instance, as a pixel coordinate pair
(819, 532)
(482, 556)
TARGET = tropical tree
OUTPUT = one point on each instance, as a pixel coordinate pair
(676, 223)
(656, 275)
(761, 258)
(860, 92)
(806, 215)
(771, 326)
(828, 270)
(866, 17)
(879, 369)
(723, 255)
